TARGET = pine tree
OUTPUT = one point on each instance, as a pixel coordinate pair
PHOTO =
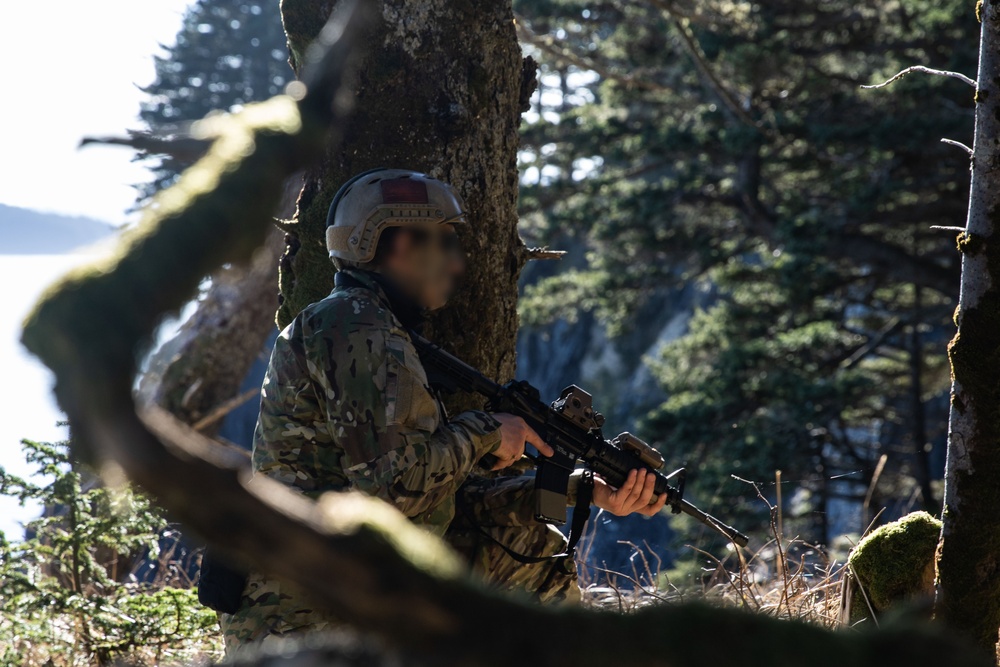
(729, 145)
(226, 54)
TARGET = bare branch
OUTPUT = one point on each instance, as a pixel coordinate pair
(959, 144)
(543, 253)
(925, 70)
(184, 148)
(224, 409)
(708, 75)
(548, 45)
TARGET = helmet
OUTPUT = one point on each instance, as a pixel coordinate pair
(380, 198)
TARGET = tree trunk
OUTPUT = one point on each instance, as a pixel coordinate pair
(202, 367)
(442, 92)
(969, 554)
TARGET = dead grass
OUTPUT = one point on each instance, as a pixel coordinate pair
(786, 578)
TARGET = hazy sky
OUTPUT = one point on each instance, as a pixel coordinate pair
(70, 69)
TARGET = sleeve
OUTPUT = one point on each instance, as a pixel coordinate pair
(382, 414)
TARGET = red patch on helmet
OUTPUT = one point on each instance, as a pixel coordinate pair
(404, 191)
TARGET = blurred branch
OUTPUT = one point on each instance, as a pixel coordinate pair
(926, 70)
(708, 75)
(184, 148)
(224, 409)
(548, 44)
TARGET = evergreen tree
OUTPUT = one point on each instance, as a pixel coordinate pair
(730, 143)
(89, 585)
(227, 53)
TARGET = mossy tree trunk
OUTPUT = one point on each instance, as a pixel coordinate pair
(442, 92)
(969, 553)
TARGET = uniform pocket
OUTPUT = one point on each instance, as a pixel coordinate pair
(410, 404)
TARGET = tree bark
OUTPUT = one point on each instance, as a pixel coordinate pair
(203, 366)
(441, 92)
(968, 595)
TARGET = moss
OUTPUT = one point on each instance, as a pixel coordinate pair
(894, 561)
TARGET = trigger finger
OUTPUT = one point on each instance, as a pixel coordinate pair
(536, 440)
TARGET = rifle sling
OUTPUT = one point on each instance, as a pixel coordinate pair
(581, 513)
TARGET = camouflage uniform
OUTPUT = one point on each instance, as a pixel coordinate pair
(346, 404)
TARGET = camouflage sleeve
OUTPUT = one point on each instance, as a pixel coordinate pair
(382, 414)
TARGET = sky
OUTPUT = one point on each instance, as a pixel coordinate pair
(69, 69)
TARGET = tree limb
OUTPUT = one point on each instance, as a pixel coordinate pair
(926, 70)
(958, 144)
(547, 44)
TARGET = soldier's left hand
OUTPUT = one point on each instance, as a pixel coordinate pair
(635, 495)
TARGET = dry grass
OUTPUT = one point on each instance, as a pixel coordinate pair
(786, 578)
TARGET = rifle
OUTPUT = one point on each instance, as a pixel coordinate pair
(573, 429)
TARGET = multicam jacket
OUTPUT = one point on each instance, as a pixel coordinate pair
(346, 404)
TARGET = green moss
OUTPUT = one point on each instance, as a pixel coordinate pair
(893, 562)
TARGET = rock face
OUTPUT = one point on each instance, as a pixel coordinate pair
(894, 563)
(562, 353)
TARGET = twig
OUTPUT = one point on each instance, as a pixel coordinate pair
(224, 409)
(948, 228)
(548, 45)
(543, 253)
(926, 70)
(871, 487)
(693, 49)
(959, 144)
(777, 541)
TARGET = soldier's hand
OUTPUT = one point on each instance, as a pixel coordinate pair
(514, 433)
(635, 495)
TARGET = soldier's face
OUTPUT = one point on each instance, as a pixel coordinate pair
(427, 264)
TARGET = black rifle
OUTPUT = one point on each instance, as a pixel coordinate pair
(573, 429)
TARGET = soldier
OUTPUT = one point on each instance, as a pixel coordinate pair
(346, 404)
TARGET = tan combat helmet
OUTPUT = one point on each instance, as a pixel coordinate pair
(381, 198)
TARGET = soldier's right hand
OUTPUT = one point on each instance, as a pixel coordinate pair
(514, 433)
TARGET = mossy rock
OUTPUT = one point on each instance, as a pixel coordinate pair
(895, 562)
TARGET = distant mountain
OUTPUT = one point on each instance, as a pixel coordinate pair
(27, 232)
